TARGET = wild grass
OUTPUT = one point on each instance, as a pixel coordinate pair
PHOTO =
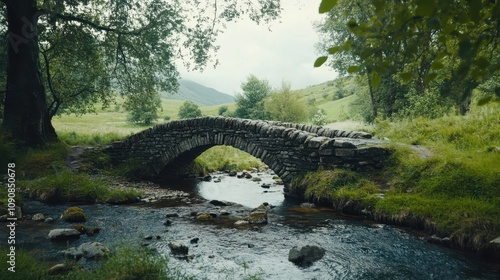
(27, 266)
(67, 186)
(124, 262)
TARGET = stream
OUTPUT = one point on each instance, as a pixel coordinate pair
(355, 248)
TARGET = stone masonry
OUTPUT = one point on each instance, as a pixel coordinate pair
(287, 148)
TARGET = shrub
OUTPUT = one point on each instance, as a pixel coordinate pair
(188, 110)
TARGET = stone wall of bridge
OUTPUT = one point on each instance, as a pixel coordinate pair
(288, 149)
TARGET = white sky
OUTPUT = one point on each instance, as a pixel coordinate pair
(285, 53)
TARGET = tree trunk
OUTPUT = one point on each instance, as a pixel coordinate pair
(372, 98)
(26, 114)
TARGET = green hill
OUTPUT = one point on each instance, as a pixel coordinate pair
(199, 94)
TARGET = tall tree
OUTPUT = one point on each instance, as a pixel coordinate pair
(285, 105)
(250, 103)
(139, 42)
(449, 45)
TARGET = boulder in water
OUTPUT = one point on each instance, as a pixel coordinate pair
(64, 234)
(305, 255)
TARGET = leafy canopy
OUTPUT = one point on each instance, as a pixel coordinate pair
(88, 48)
(442, 46)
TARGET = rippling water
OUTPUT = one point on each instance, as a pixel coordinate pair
(355, 249)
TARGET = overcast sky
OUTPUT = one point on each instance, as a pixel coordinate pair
(286, 52)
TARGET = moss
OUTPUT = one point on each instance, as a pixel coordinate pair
(74, 215)
(203, 217)
(93, 231)
(81, 228)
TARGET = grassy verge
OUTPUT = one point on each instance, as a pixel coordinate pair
(452, 189)
(67, 186)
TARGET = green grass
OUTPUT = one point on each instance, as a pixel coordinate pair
(337, 110)
(67, 186)
(225, 158)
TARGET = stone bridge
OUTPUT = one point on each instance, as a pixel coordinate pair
(289, 149)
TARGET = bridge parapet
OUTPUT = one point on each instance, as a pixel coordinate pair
(287, 148)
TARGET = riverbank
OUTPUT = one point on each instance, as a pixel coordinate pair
(443, 178)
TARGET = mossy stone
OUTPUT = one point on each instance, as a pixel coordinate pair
(74, 215)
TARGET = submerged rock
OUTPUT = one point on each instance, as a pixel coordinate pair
(307, 205)
(92, 250)
(440, 241)
(38, 217)
(241, 222)
(220, 203)
(88, 250)
(203, 217)
(178, 248)
(305, 255)
(257, 217)
(64, 234)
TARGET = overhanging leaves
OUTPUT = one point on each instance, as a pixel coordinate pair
(327, 5)
(320, 60)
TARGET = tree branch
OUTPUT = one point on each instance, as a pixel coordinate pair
(57, 101)
(94, 25)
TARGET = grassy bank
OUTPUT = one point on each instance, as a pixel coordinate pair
(126, 262)
(450, 188)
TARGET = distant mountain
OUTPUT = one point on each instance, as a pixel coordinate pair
(200, 94)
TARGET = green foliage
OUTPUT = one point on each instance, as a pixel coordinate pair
(222, 110)
(319, 118)
(436, 49)
(142, 107)
(189, 110)
(429, 105)
(74, 74)
(37, 162)
(285, 105)
(28, 266)
(72, 138)
(250, 103)
(324, 184)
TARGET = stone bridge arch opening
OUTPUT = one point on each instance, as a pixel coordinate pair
(179, 161)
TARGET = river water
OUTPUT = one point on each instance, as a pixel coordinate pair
(355, 249)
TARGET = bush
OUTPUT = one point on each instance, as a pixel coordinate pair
(319, 118)
(188, 110)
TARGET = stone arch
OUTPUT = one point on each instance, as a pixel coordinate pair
(175, 158)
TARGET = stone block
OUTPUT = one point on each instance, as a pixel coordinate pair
(345, 152)
(343, 144)
(316, 142)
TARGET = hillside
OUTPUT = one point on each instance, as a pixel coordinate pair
(199, 94)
